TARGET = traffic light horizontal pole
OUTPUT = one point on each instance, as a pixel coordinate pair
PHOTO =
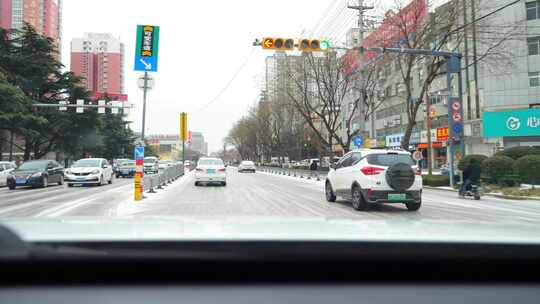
(48, 105)
(413, 52)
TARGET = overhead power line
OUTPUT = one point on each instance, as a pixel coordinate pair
(224, 89)
(485, 16)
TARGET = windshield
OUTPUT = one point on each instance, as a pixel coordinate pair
(210, 162)
(33, 165)
(389, 159)
(84, 163)
(361, 120)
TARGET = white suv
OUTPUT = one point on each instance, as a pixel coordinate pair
(369, 177)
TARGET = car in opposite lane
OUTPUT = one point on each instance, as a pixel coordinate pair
(210, 170)
(368, 177)
(151, 165)
(5, 170)
(247, 166)
(92, 171)
(126, 169)
(164, 164)
(36, 173)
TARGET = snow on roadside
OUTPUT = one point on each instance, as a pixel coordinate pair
(132, 207)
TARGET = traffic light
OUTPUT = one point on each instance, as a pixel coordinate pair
(278, 44)
(315, 45)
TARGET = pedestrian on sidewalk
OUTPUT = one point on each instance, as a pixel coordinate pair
(313, 169)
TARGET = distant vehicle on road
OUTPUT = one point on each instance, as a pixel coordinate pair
(93, 171)
(368, 177)
(126, 169)
(117, 162)
(151, 164)
(247, 166)
(36, 173)
(164, 164)
(187, 165)
(5, 170)
(210, 170)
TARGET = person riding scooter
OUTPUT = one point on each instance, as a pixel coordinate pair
(471, 176)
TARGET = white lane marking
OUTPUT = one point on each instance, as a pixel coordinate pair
(69, 206)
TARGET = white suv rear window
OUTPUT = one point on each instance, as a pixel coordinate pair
(388, 160)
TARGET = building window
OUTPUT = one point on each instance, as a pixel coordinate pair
(533, 10)
(534, 79)
(533, 44)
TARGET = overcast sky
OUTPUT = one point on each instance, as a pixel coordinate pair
(202, 45)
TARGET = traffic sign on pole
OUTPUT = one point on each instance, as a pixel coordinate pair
(183, 127)
(101, 104)
(80, 102)
(358, 141)
(146, 48)
(139, 159)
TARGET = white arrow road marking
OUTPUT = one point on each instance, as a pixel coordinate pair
(147, 65)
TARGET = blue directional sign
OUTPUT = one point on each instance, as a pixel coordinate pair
(146, 49)
(139, 153)
(358, 141)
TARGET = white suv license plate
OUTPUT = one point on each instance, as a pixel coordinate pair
(397, 197)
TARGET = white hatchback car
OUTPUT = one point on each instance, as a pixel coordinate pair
(368, 177)
(210, 170)
(96, 171)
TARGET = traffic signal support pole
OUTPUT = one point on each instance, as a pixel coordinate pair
(144, 105)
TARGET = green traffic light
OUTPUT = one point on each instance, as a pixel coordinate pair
(325, 45)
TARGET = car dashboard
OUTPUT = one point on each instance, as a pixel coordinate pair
(271, 272)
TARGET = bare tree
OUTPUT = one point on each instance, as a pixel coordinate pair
(411, 26)
(319, 94)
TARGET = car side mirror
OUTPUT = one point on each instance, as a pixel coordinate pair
(105, 166)
(333, 166)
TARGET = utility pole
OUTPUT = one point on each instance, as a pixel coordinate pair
(361, 63)
(467, 76)
(145, 88)
(475, 59)
(429, 143)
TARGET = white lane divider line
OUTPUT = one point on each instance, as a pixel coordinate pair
(69, 206)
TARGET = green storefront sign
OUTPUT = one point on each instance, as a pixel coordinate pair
(512, 123)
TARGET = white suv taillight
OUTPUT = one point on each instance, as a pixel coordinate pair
(198, 169)
(221, 170)
(371, 170)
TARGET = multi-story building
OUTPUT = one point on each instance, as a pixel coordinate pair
(99, 59)
(501, 85)
(43, 15)
(198, 144)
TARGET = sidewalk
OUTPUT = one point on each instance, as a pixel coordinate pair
(492, 194)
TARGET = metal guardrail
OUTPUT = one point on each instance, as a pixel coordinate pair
(299, 173)
(154, 182)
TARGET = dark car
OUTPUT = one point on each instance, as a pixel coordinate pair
(126, 169)
(36, 173)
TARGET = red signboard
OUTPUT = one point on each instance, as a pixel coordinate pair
(442, 134)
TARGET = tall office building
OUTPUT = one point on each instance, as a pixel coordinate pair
(43, 15)
(99, 59)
